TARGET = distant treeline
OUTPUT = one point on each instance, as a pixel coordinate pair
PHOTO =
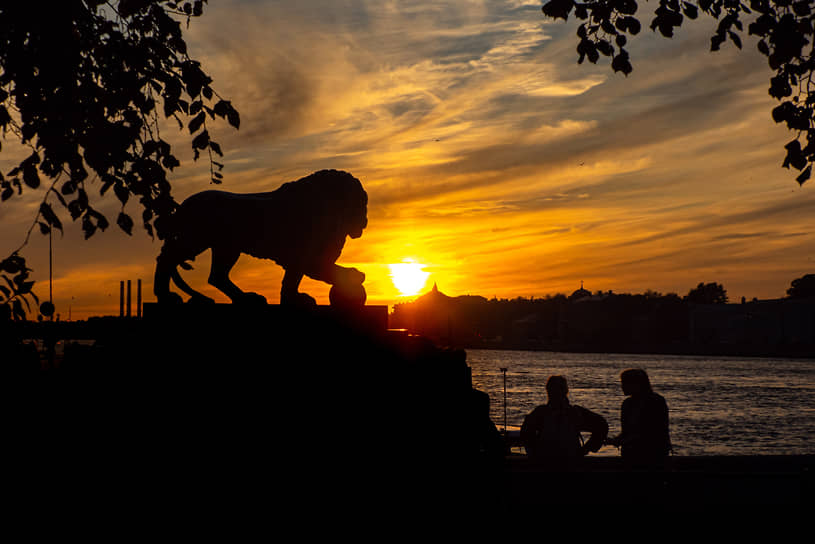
(700, 322)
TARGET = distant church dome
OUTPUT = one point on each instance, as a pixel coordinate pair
(434, 295)
(580, 293)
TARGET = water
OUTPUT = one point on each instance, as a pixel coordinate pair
(718, 405)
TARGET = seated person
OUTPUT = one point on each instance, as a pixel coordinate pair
(645, 436)
(552, 430)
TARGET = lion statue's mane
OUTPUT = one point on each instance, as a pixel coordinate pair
(301, 226)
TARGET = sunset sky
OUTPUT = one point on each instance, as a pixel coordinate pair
(489, 155)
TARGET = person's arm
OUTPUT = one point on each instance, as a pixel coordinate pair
(528, 431)
(596, 425)
(625, 414)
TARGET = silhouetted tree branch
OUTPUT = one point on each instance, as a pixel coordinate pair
(784, 29)
(84, 87)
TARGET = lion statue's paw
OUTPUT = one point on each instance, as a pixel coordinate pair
(299, 300)
(251, 299)
(199, 299)
(351, 278)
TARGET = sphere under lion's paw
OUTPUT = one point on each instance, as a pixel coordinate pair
(347, 295)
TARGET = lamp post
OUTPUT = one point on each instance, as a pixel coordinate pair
(47, 308)
(504, 372)
(50, 268)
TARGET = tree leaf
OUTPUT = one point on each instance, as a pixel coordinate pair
(125, 223)
(690, 11)
(795, 157)
(49, 216)
(5, 118)
(621, 62)
(632, 24)
(75, 209)
(197, 121)
(233, 117)
(24, 287)
(30, 176)
(69, 187)
(734, 38)
(88, 226)
(558, 9)
(201, 141)
(17, 310)
(122, 193)
(801, 179)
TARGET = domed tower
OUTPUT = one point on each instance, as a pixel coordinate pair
(580, 293)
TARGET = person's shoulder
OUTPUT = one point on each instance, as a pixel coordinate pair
(537, 411)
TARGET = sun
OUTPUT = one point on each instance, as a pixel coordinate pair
(408, 277)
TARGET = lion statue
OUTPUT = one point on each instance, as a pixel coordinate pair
(301, 226)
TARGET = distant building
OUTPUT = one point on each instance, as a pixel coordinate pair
(613, 323)
(446, 320)
(580, 293)
(765, 326)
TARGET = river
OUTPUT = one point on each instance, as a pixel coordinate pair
(718, 405)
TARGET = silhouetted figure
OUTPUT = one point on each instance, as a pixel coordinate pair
(645, 435)
(552, 431)
(488, 443)
(302, 226)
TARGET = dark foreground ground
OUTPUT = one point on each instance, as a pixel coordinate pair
(215, 412)
(684, 483)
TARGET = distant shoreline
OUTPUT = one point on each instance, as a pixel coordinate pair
(615, 323)
(701, 351)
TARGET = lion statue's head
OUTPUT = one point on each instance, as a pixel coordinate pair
(338, 198)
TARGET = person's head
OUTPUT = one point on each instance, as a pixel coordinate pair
(635, 380)
(556, 389)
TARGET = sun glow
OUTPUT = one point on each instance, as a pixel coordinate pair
(408, 277)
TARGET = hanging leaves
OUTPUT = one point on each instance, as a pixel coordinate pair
(785, 30)
(86, 86)
(15, 287)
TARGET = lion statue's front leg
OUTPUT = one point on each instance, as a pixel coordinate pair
(289, 294)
